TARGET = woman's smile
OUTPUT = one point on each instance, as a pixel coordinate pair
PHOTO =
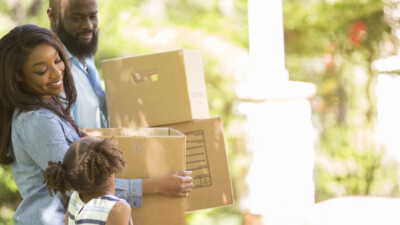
(57, 84)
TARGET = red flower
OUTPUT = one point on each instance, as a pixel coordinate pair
(356, 32)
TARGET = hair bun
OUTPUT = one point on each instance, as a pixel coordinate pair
(59, 164)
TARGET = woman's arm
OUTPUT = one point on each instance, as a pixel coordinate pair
(175, 184)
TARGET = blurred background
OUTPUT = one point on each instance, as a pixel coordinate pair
(323, 125)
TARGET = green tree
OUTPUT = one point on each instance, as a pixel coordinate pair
(333, 44)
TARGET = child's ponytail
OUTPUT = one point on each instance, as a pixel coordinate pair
(55, 179)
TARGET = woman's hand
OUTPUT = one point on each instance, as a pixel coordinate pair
(176, 183)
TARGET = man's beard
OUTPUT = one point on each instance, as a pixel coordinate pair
(74, 45)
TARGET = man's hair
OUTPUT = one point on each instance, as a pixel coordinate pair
(86, 166)
(15, 48)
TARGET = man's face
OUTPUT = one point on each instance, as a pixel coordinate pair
(78, 26)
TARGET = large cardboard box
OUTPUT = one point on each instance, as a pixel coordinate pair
(206, 156)
(151, 152)
(155, 89)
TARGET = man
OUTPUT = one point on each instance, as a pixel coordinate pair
(76, 24)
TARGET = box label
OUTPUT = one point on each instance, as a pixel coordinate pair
(196, 159)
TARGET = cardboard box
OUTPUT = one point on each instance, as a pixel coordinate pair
(151, 152)
(206, 157)
(155, 89)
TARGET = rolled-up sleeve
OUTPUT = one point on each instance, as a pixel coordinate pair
(130, 190)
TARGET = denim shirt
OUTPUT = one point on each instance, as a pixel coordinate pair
(38, 137)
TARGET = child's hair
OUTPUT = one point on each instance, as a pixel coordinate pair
(86, 165)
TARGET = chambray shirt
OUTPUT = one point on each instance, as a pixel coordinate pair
(38, 137)
(86, 111)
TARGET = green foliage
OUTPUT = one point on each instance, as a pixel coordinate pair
(9, 197)
(219, 216)
(333, 44)
(353, 171)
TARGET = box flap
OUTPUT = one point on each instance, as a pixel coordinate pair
(130, 132)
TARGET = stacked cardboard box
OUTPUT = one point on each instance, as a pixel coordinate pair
(168, 89)
(155, 89)
(206, 158)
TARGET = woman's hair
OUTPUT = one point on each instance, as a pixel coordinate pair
(86, 166)
(15, 48)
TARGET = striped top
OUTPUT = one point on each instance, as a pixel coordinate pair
(93, 212)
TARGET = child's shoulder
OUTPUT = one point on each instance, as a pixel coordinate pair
(121, 205)
(120, 213)
(74, 198)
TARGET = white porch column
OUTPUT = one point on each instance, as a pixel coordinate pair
(279, 131)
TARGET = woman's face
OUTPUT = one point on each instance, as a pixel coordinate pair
(43, 72)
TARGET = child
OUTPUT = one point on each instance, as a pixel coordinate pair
(88, 168)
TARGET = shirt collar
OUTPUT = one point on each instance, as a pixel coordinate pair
(67, 51)
(70, 56)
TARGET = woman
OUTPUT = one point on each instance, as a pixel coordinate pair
(36, 126)
(35, 122)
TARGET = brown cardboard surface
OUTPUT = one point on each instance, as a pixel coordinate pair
(151, 152)
(155, 89)
(207, 159)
